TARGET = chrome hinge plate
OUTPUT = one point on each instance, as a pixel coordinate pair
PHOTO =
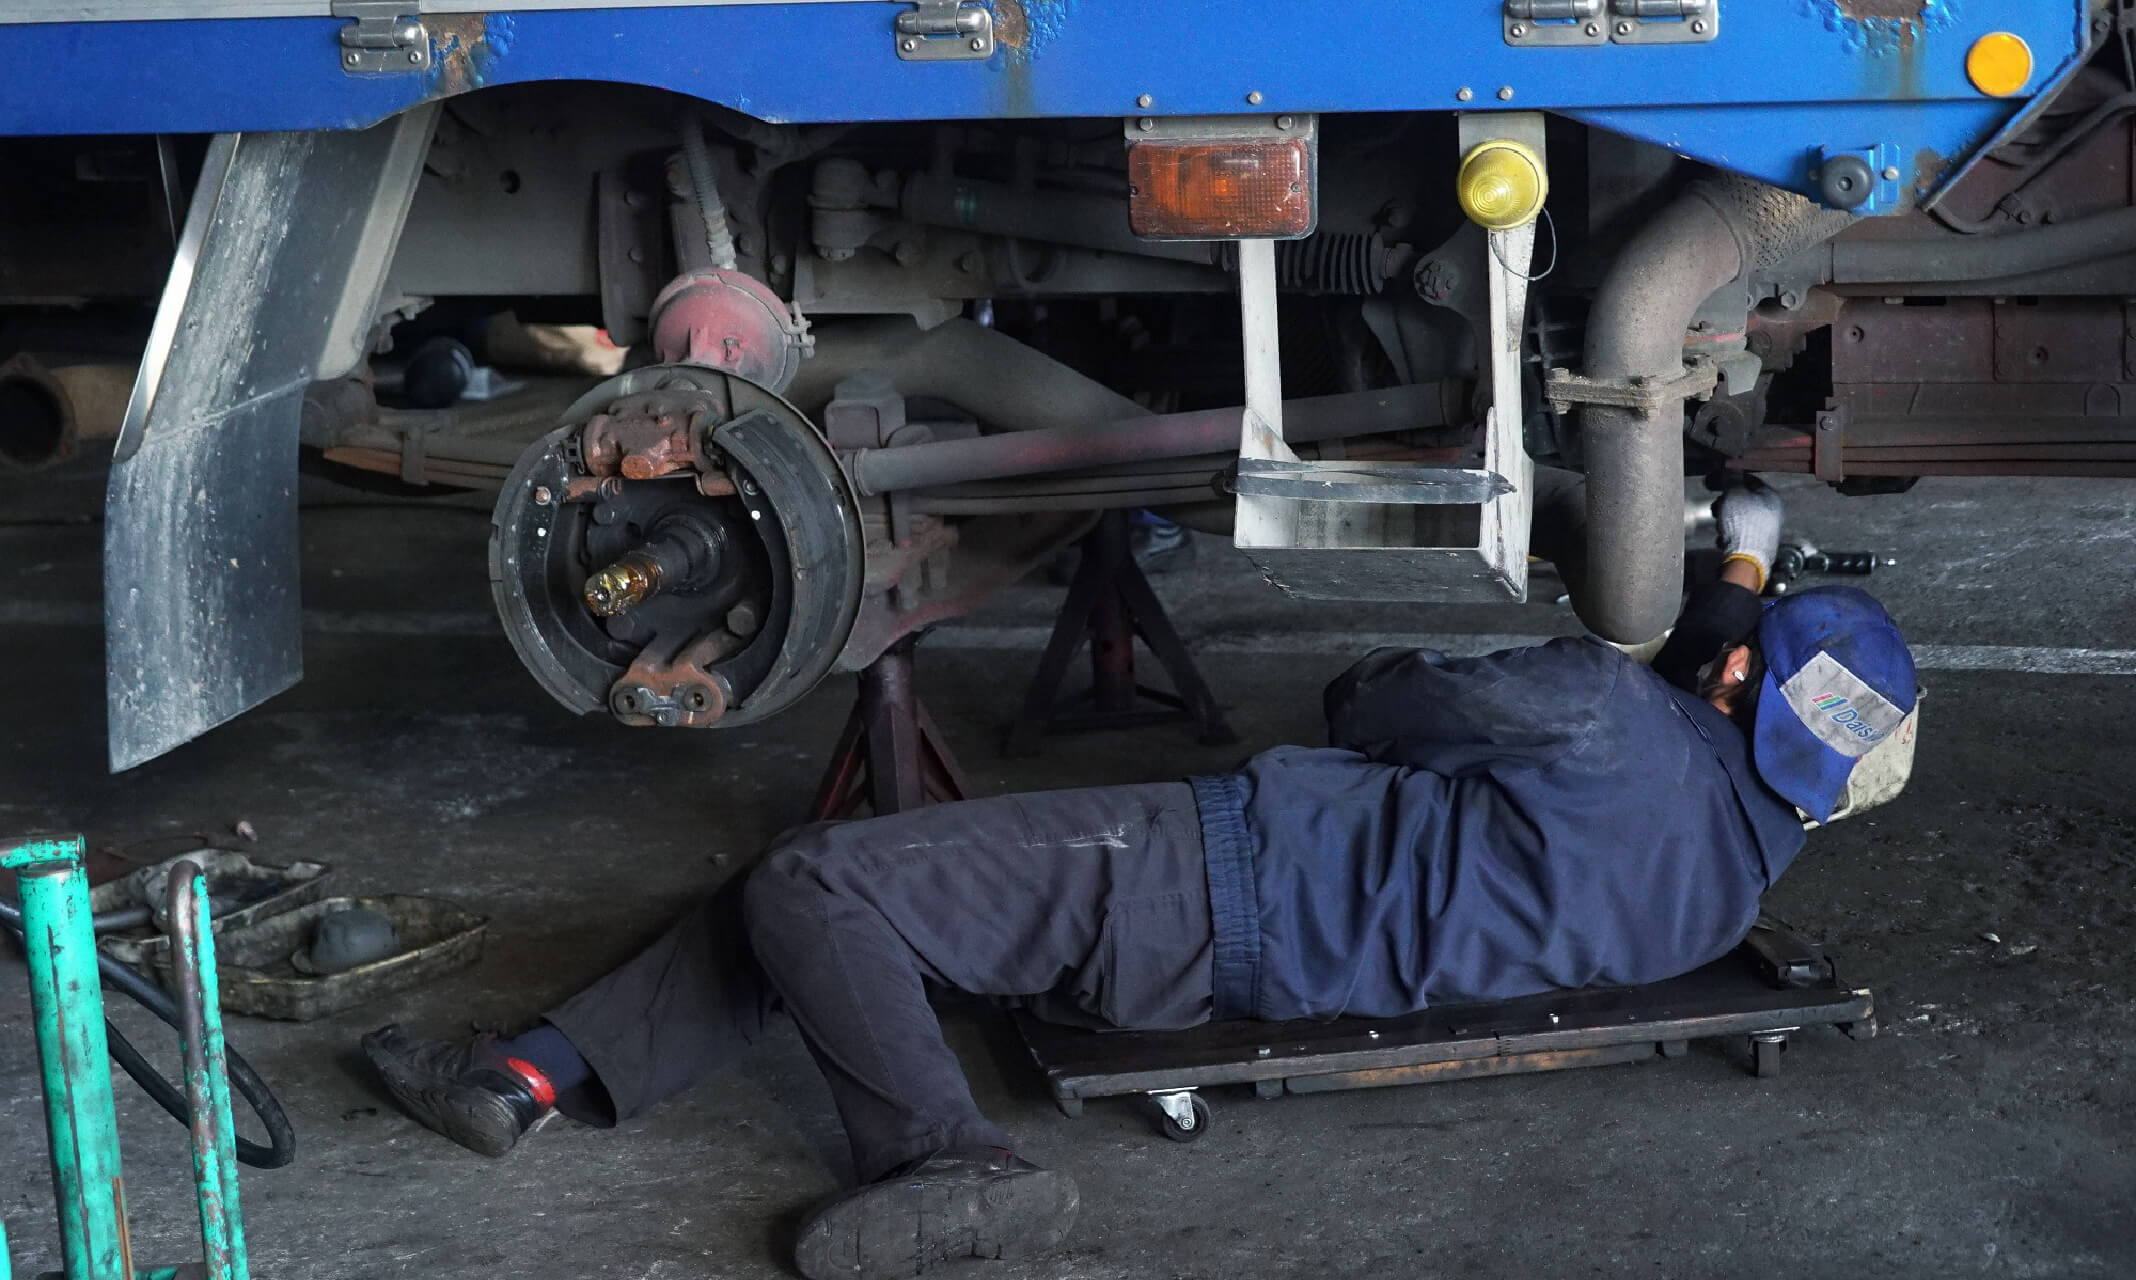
(1664, 21)
(1542, 24)
(946, 31)
(1556, 23)
(383, 36)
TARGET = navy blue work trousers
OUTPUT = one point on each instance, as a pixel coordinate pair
(1087, 906)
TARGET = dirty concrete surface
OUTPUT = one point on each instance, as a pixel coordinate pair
(1992, 909)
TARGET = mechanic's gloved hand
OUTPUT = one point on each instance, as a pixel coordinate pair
(1749, 520)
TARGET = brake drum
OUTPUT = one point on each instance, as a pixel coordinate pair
(683, 550)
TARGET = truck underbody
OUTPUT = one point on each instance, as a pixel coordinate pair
(867, 371)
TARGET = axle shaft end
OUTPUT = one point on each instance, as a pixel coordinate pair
(622, 586)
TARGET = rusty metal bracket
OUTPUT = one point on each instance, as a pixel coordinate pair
(1645, 394)
(1828, 443)
(681, 692)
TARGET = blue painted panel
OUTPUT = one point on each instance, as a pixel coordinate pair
(1784, 79)
(1783, 142)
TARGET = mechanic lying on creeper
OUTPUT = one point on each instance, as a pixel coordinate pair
(1541, 818)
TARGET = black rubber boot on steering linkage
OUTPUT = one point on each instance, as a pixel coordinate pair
(980, 1202)
(464, 1089)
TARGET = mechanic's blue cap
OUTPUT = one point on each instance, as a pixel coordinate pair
(1838, 681)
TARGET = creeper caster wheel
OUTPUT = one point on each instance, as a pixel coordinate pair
(1182, 1116)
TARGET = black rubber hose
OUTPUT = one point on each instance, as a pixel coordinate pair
(281, 1145)
(1958, 259)
(121, 918)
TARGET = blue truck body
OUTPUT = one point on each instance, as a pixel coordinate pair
(1782, 83)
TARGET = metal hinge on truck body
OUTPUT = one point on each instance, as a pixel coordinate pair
(1547, 23)
(1665, 21)
(382, 36)
(945, 31)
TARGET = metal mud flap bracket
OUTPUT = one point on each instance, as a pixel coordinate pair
(1395, 531)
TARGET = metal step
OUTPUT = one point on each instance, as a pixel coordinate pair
(1345, 530)
(1376, 482)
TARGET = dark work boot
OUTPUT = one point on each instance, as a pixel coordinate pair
(463, 1089)
(975, 1202)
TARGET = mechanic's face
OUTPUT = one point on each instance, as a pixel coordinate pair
(1726, 681)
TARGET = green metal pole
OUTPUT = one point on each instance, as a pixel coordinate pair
(67, 1002)
(207, 1077)
(6, 1269)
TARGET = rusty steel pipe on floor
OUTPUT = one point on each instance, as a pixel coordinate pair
(1150, 437)
(197, 986)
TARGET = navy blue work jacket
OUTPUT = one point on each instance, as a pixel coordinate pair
(1484, 828)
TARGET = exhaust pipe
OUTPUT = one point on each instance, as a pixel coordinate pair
(1711, 236)
(37, 426)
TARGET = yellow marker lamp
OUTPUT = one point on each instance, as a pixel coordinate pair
(1999, 64)
(1502, 185)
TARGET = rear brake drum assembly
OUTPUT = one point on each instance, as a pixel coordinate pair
(683, 551)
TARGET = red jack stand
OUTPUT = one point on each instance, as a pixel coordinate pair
(891, 756)
(1111, 603)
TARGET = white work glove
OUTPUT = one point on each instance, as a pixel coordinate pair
(1749, 520)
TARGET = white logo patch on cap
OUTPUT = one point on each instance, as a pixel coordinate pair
(1833, 703)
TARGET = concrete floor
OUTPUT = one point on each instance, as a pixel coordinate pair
(1985, 1132)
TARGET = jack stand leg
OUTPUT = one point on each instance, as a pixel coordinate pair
(67, 1004)
(891, 755)
(1112, 654)
(1110, 603)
